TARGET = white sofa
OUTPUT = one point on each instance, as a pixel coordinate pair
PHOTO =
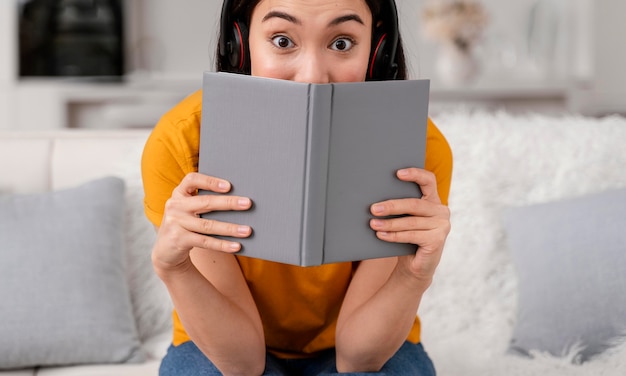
(502, 162)
(468, 315)
(35, 162)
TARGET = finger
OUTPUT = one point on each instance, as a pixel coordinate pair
(214, 244)
(196, 205)
(407, 223)
(428, 240)
(210, 203)
(194, 181)
(410, 237)
(410, 206)
(212, 227)
(425, 179)
(178, 238)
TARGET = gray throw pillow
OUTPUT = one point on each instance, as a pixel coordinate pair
(570, 257)
(63, 292)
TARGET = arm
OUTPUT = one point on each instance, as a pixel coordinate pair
(204, 280)
(384, 295)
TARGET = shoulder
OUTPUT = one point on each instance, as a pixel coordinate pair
(439, 159)
(187, 110)
(170, 153)
(181, 119)
(436, 142)
(177, 134)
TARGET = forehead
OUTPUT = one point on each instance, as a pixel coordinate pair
(315, 6)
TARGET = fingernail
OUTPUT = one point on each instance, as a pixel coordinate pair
(243, 230)
(377, 223)
(234, 246)
(403, 172)
(243, 201)
(383, 233)
(378, 209)
(222, 185)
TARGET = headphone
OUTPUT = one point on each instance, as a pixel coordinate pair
(235, 53)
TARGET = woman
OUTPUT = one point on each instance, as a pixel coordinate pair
(238, 315)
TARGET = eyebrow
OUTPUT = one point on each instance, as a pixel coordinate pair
(292, 19)
(346, 18)
(283, 15)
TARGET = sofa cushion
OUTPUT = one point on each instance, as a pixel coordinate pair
(570, 258)
(118, 153)
(148, 368)
(25, 164)
(64, 295)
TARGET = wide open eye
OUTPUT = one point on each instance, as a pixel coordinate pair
(342, 44)
(281, 41)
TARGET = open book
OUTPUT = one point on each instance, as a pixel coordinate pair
(313, 158)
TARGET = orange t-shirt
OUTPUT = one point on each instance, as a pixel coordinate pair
(298, 306)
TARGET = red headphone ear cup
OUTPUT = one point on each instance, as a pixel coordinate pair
(237, 55)
(378, 57)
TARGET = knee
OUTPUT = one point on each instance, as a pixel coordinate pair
(187, 360)
(410, 359)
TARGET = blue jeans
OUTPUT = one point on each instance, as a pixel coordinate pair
(188, 360)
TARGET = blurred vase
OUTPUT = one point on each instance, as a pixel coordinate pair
(457, 66)
(544, 27)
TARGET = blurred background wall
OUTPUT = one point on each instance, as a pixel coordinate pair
(545, 56)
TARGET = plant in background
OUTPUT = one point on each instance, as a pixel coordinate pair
(459, 23)
(456, 26)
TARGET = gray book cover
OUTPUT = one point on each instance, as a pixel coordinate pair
(313, 158)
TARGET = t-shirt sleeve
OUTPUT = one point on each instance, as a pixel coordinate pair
(170, 153)
(439, 160)
(161, 173)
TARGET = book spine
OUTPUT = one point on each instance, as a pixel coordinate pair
(316, 173)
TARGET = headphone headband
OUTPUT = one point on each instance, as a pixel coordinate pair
(225, 24)
(391, 35)
(234, 52)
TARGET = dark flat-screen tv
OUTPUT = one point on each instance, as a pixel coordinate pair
(71, 38)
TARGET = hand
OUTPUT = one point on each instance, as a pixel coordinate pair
(182, 229)
(426, 223)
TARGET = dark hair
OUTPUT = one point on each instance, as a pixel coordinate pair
(242, 10)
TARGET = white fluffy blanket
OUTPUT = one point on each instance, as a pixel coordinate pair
(469, 312)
